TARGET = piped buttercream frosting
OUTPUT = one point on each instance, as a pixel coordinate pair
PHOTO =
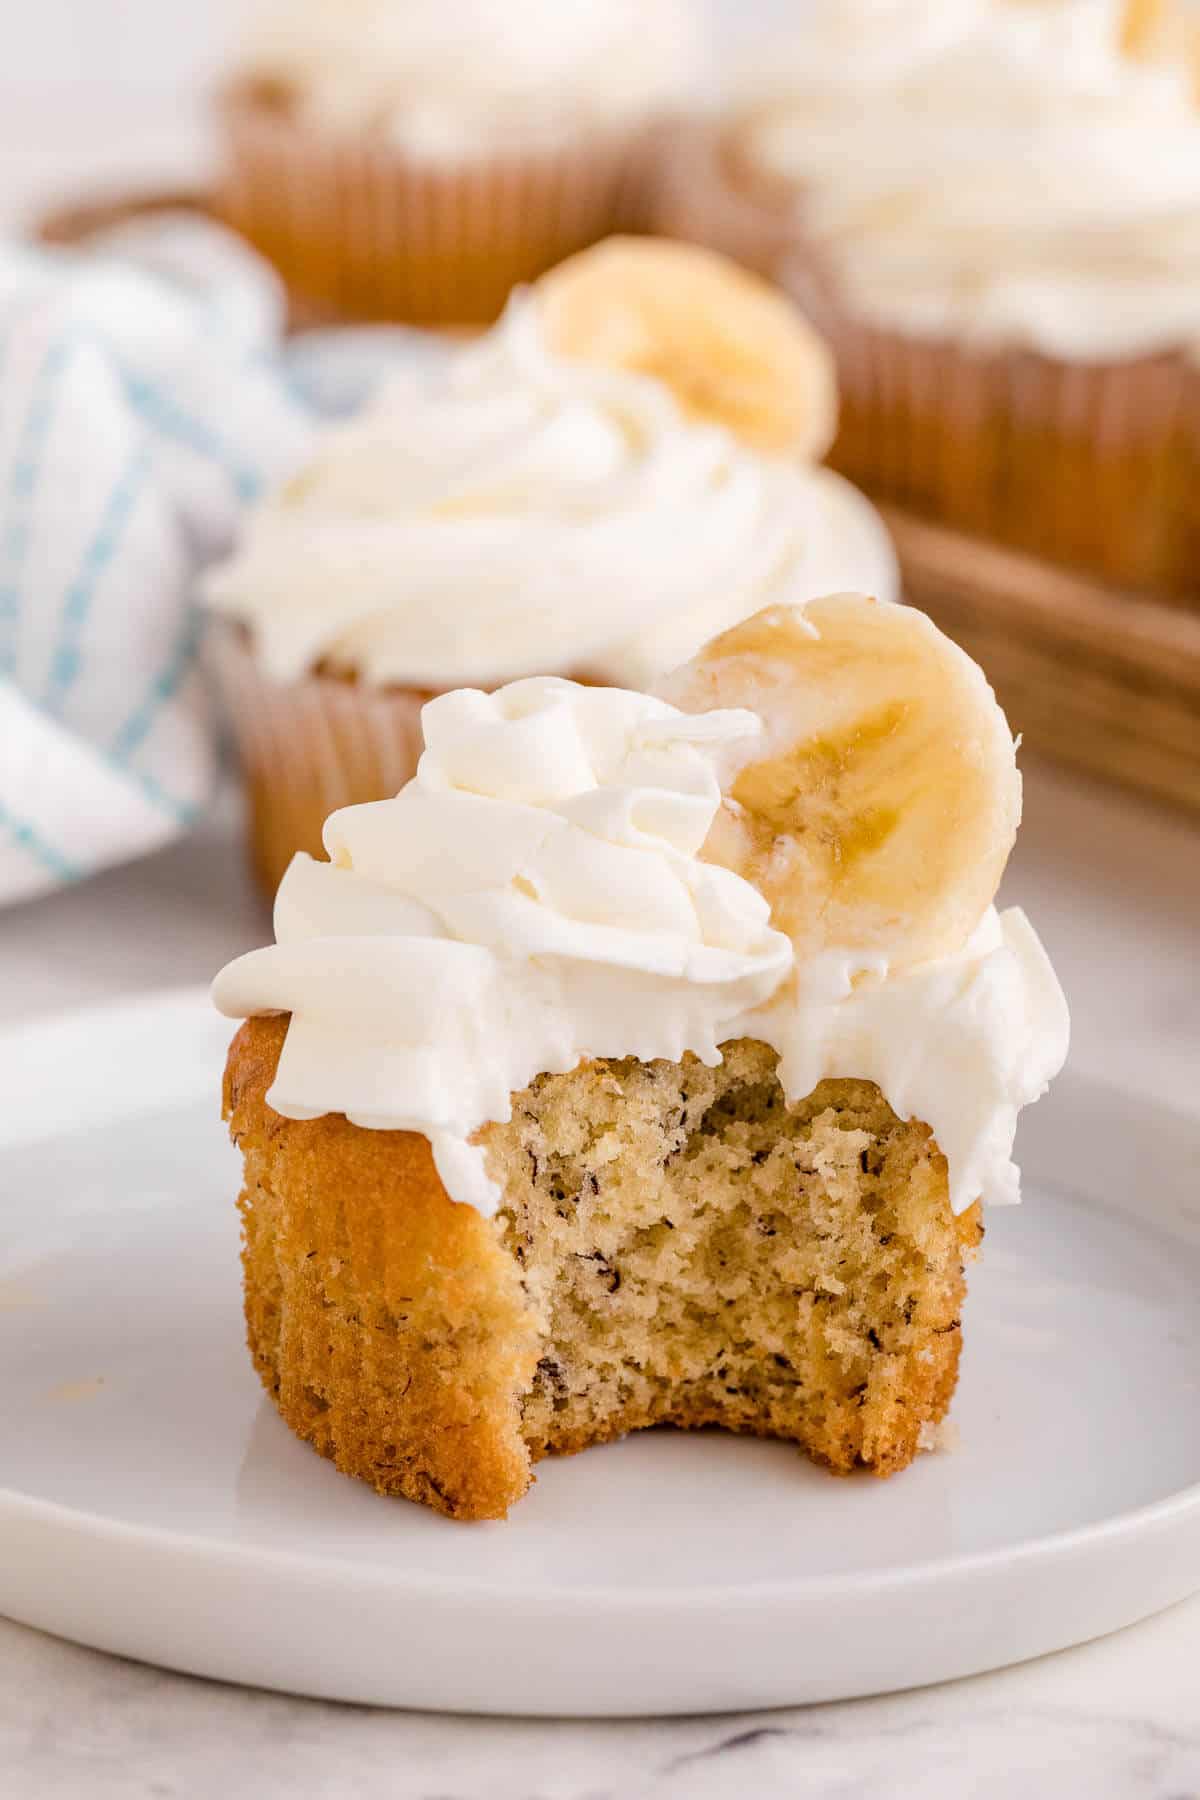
(536, 895)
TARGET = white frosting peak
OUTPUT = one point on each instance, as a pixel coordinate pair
(535, 896)
(444, 78)
(994, 170)
(509, 512)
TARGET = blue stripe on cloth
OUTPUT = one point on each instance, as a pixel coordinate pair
(161, 690)
(97, 558)
(184, 812)
(162, 412)
(29, 838)
(158, 410)
(15, 506)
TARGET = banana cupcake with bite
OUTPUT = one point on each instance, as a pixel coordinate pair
(625, 465)
(992, 211)
(644, 1061)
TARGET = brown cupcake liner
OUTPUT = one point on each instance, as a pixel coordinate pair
(1086, 464)
(308, 747)
(1092, 465)
(364, 229)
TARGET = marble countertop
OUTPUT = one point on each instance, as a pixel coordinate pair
(1116, 1720)
(1112, 886)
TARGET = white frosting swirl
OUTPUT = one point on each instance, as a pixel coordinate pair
(507, 512)
(445, 78)
(535, 896)
(997, 171)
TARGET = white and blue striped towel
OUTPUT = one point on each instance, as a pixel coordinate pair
(142, 404)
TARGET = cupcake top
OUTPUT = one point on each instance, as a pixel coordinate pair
(1008, 171)
(442, 79)
(519, 510)
(575, 872)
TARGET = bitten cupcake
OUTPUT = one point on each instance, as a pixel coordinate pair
(625, 465)
(411, 159)
(644, 1061)
(992, 211)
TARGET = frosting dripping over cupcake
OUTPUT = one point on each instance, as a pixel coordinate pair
(537, 895)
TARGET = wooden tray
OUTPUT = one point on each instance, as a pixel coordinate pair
(1106, 681)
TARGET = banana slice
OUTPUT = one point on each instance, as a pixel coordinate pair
(731, 348)
(1144, 24)
(1164, 29)
(881, 806)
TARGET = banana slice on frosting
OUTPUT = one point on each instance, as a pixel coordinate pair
(878, 811)
(1144, 23)
(731, 348)
(1163, 30)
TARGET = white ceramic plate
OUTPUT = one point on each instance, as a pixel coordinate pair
(153, 1504)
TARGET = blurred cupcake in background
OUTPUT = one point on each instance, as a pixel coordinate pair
(416, 159)
(623, 466)
(992, 211)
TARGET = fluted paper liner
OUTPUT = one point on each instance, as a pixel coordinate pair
(1090, 464)
(362, 228)
(308, 747)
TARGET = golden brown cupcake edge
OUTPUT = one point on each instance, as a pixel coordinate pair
(676, 1245)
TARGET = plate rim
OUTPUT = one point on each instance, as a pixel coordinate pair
(1170, 1512)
